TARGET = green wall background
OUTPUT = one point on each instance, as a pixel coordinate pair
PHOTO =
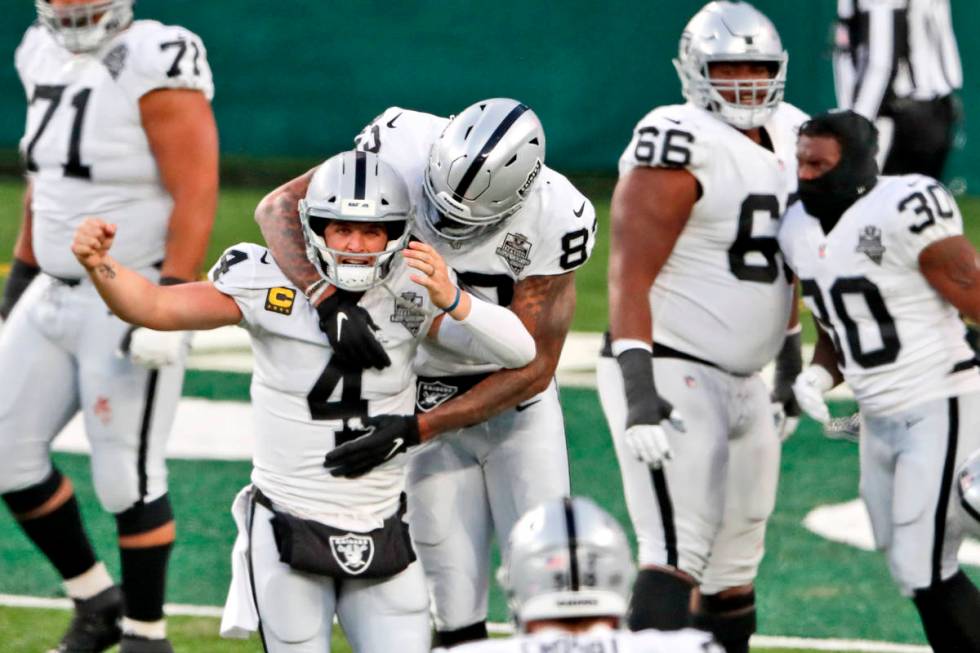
(298, 78)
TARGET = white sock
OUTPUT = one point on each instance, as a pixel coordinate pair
(89, 583)
(147, 629)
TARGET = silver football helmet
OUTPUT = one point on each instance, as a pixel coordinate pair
(355, 187)
(482, 168)
(968, 492)
(85, 27)
(732, 31)
(567, 558)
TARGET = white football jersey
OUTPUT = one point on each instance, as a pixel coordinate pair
(722, 295)
(84, 145)
(898, 342)
(553, 233)
(300, 398)
(600, 641)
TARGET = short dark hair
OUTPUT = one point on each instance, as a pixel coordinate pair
(852, 131)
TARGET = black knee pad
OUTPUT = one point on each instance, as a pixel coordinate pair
(949, 611)
(660, 600)
(731, 619)
(471, 633)
(144, 517)
(24, 501)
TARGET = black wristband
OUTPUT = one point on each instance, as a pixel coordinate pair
(789, 360)
(21, 275)
(172, 281)
(636, 365)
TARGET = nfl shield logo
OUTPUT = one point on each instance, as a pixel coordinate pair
(430, 394)
(352, 552)
(869, 242)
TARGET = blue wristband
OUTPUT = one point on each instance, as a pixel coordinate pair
(452, 307)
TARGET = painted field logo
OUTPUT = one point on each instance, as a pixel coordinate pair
(353, 553)
(430, 394)
(515, 250)
(280, 300)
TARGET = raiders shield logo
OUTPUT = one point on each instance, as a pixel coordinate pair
(869, 242)
(352, 552)
(430, 394)
(515, 250)
(409, 312)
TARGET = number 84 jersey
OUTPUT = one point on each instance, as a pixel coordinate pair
(722, 295)
(898, 342)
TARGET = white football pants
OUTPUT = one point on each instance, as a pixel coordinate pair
(705, 513)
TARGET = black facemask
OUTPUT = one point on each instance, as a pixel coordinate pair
(828, 196)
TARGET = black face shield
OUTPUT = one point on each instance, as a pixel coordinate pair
(828, 196)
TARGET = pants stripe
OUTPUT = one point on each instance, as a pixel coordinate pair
(939, 525)
(666, 514)
(147, 421)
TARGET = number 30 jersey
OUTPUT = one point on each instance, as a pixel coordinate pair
(300, 397)
(898, 342)
(84, 145)
(722, 295)
(553, 233)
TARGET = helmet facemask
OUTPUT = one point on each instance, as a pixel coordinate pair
(85, 27)
(376, 194)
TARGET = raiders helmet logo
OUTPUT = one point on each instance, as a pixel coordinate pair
(515, 250)
(353, 553)
(430, 394)
(869, 243)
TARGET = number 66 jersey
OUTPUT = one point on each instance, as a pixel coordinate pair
(722, 295)
(84, 145)
(898, 342)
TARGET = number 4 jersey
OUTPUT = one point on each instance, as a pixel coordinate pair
(898, 342)
(84, 145)
(300, 398)
(722, 295)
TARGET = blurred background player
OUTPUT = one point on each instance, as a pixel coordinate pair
(886, 270)
(119, 124)
(312, 545)
(896, 63)
(567, 575)
(515, 231)
(699, 300)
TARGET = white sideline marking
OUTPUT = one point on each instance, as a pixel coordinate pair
(183, 610)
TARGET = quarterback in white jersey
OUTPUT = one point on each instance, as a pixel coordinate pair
(700, 302)
(567, 576)
(515, 231)
(312, 544)
(118, 124)
(886, 270)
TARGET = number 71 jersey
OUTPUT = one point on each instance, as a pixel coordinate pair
(722, 295)
(898, 342)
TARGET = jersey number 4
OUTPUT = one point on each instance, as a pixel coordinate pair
(79, 102)
(350, 405)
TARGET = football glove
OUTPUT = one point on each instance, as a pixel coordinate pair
(388, 436)
(350, 331)
(647, 411)
(155, 349)
(809, 388)
(785, 409)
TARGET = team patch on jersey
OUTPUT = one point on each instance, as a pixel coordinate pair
(515, 250)
(430, 394)
(352, 552)
(409, 317)
(280, 300)
(869, 242)
(115, 60)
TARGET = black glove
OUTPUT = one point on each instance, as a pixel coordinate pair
(789, 364)
(644, 405)
(350, 330)
(388, 436)
(20, 277)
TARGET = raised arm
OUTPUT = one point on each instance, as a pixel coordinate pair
(278, 218)
(138, 301)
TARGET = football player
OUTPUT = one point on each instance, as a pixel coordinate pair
(119, 123)
(312, 545)
(699, 302)
(885, 268)
(515, 231)
(968, 489)
(567, 575)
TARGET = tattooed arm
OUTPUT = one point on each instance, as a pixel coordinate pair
(545, 305)
(278, 218)
(952, 267)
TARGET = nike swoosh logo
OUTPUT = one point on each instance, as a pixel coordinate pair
(398, 443)
(340, 323)
(391, 123)
(581, 210)
(522, 407)
(265, 258)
